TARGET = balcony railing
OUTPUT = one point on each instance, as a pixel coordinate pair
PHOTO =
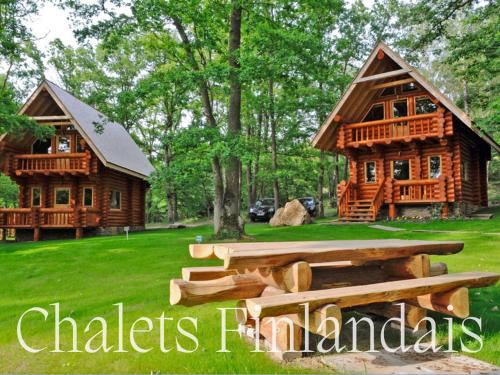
(419, 191)
(51, 163)
(37, 217)
(389, 130)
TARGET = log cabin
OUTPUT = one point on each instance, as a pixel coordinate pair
(88, 177)
(410, 150)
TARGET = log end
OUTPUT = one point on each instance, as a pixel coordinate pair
(298, 277)
(202, 251)
(175, 291)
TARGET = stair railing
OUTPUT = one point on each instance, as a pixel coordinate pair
(378, 199)
(346, 194)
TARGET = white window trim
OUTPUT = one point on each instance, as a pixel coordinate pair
(116, 209)
(55, 196)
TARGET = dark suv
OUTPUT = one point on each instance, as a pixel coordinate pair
(309, 204)
(262, 210)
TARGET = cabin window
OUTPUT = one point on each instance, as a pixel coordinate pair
(401, 169)
(370, 172)
(115, 200)
(424, 105)
(63, 144)
(36, 196)
(465, 173)
(62, 196)
(80, 145)
(375, 113)
(388, 91)
(42, 146)
(409, 87)
(88, 196)
(434, 166)
(400, 108)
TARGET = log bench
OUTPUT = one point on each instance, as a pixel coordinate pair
(275, 280)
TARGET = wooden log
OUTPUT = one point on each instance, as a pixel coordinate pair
(242, 255)
(392, 83)
(283, 331)
(413, 314)
(241, 314)
(326, 278)
(205, 273)
(322, 321)
(454, 302)
(190, 293)
(295, 277)
(411, 267)
(438, 268)
(367, 294)
(271, 291)
(202, 251)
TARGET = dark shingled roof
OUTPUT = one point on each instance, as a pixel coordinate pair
(114, 146)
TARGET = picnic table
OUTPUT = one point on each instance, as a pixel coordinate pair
(276, 279)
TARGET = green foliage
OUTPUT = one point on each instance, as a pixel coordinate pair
(8, 192)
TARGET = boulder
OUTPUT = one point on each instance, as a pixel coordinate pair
(293, 214)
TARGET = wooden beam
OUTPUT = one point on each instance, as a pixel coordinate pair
(205, 273)
(294, 277)
(438, 268)
(190, 293)
(283, 332)
(392, 83)
(454, 302)
(50, 118)
(244, 255)
(408, 268)
(413, 314)
(375, 77)
(366, 294)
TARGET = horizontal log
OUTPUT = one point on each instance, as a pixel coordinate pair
(454, 302)
(374, 77)
(411, 267)
(325, 278)
(413, 314)
(190, 293)
(239, 256)
(438, 268)
(294, 277)
(205, 273)
(367, 294)
(392, 83)
(202, 251)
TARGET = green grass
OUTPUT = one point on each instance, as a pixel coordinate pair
(88, 276)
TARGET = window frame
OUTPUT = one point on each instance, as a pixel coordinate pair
(415, 98)
(382, 103)
(465, 171)
(375, 172)
(32, 193)
(120, 200)
(91, 188)
(400, 100)
(409, 169)
(429, 166)
(60, 188)
(409, 83)
(69, 138)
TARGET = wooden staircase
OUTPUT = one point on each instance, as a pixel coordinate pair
(352, 209)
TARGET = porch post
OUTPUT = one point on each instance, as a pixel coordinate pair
(392, 211)
(35, 223)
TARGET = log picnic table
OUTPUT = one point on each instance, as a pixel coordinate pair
(276, 279)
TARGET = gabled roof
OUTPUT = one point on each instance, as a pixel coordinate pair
(114, 146)
(359, 90)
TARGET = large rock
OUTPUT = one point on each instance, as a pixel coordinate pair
(293, 214)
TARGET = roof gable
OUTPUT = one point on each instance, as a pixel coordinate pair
(114, 146)
(382, 63)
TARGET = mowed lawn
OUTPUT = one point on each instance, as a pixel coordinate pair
(88, 276)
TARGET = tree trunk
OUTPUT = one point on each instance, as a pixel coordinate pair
(274, 156)
(253, 195)
(321, 178)
(233, 224)
(335, 182)
(466, 97)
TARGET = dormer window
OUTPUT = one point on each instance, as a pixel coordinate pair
(424, 105)
(63, 144)
(375, 113)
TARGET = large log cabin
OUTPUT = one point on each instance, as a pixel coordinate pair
(90, 176)
(411, 151)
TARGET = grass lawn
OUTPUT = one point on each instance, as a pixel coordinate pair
(88, 276)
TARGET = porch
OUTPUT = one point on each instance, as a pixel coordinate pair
(392, 192)
(37, 218)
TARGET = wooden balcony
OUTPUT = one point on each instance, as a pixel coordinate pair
(419, 191)
(402, 129)
(80, 217)
(30, 164)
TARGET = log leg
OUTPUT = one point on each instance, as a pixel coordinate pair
(281, 334)
(392, 211)
(78, 233)
(454, 302)
(36, 234)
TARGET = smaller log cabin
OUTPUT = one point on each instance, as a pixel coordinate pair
(90, 176)
(410, 150)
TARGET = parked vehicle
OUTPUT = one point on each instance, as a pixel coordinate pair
(309, 204)
(262, 210)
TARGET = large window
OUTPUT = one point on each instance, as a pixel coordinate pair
(42, 146)
(375, 113)
(88, 196)
(400, 108)
(370, 172)
(434, 166)
(63, 143)
(62, 197)
(423, 105)
(115, 200)
(401, 169)
(36, 196)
